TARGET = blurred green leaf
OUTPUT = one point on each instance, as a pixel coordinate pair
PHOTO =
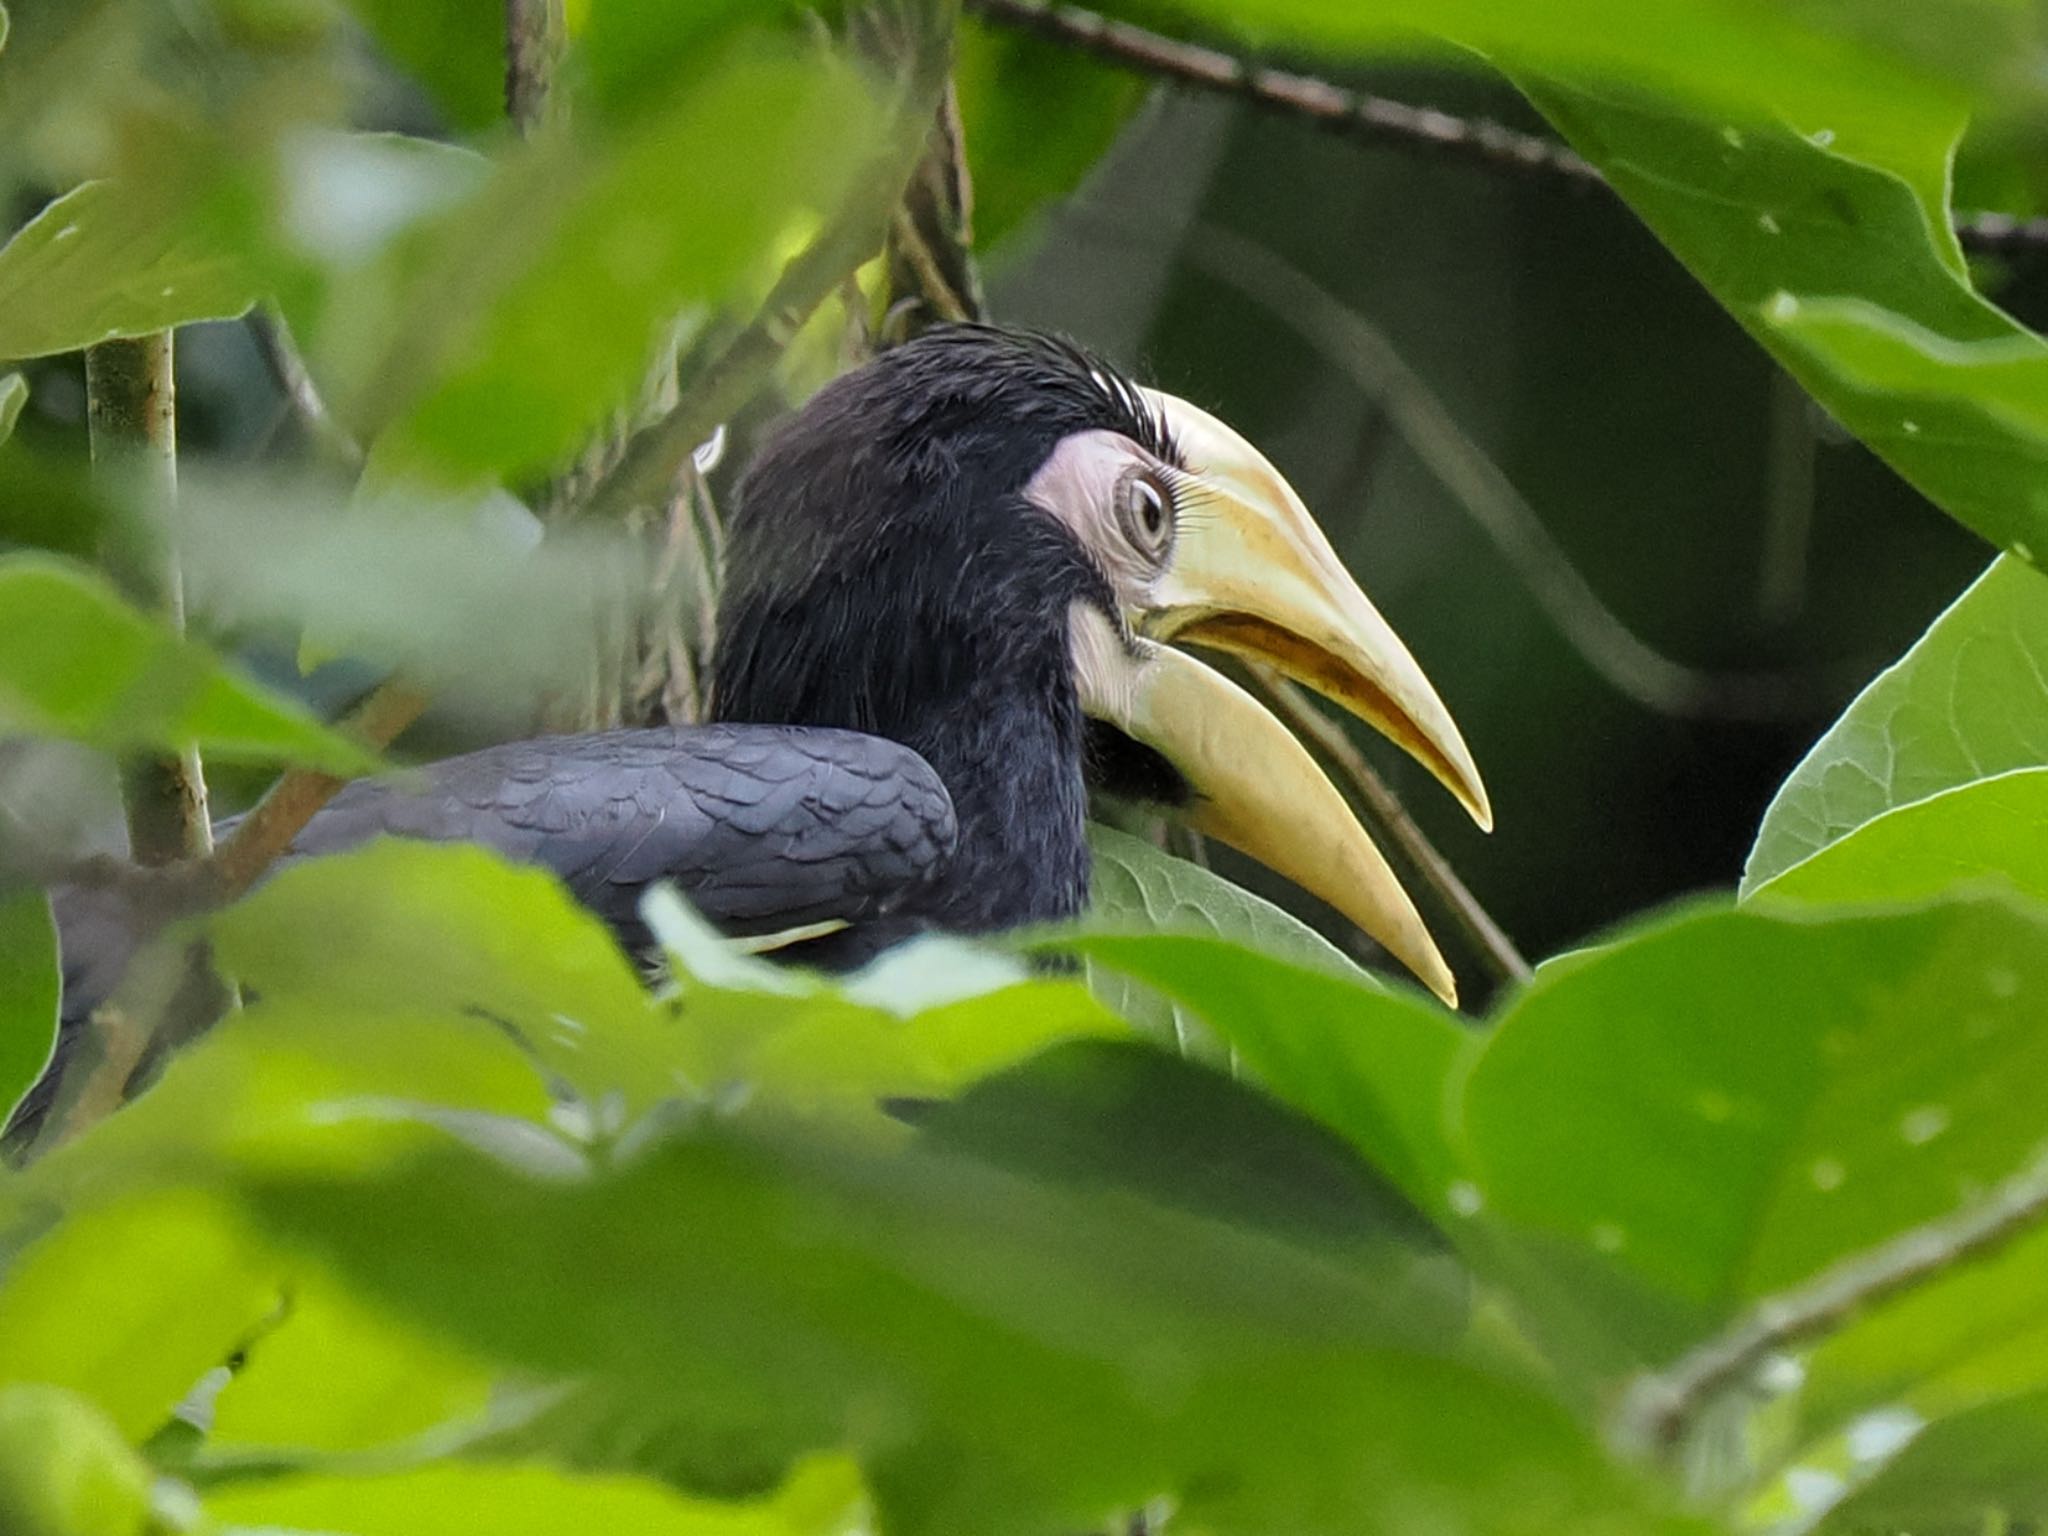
(634, 54)
(1375, 1067)
(1984, 1467)
(131, 1303)
(111, 259)
(77, 662)
(822, 1498)
(998, 1353)
(1036, 117)
(454, 48)
(373, 1380)
(1722, 1104)
(1969, 700)
(408, 926)
(1993, 830)
(29, 988)
(13, 396)
(64, 1470)
(1118, 1115)
(536, 311)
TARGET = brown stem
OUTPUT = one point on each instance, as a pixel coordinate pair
(132, 415)
(1384, 809)
(267, 831)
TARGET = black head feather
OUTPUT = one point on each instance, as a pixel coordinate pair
(884, 572)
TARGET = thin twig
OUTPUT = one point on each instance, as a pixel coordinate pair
(132, 412)
(931, 263)
(1350, 343)
(268, 829)
(1376, 119)
(1660, 1408)
(534, 34)
(1383, 807)
(654, 456)
(288, 370)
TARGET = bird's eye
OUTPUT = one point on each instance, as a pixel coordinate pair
(1148, 514)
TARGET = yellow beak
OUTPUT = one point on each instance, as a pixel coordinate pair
(1252, 574)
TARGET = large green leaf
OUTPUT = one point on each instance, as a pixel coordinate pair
(114, 259)
(1992, 831)
(1969, 700)
(29, 988)
(1374, 1066)
(1722, 1105)
(77, 662)
(1001, 1354)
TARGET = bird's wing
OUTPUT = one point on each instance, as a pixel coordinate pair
(762, 827)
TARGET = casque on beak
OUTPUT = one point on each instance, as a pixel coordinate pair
(1252, 574)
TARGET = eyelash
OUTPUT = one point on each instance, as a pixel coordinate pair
(1150, 512)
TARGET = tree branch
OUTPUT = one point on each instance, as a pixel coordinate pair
(535, 31)
(1384, 809)
(1660, 1408)
(132, 412)
(1375, 119)
(268, 829)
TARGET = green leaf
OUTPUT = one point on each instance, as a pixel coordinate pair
(113, 259)
(411, 927)
(1835, 203)
(1000, 1355)
(455, 48)
(377, 1380)
(504, 355)
(29, 988)
(13, 396)
(1995, 830)
(822, 1498)
(1375, 1067)
(77, 662)
(1719, 1106)
(131, 1303)
(64, 1470)
(1036, 118)
(1136, 887)
(1968, 701)
(1985, 1467)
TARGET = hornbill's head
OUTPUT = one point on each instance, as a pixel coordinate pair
(986, 544)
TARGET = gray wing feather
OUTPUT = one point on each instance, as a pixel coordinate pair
(762, 827)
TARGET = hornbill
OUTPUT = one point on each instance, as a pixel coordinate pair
(951, 582)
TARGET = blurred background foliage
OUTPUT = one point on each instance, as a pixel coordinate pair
(1723, 1221)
